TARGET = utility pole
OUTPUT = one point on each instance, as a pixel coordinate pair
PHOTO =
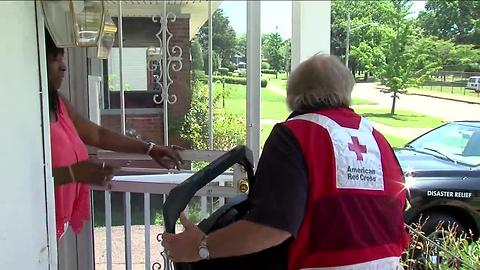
(347, 48)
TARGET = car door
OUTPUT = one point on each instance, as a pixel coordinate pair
(473, 186)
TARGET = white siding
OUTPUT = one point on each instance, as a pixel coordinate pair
(134, 68)
(23, 218)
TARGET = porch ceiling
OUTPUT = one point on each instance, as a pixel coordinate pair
(196, 10)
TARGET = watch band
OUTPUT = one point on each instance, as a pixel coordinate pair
(150, 147)
(203, 251)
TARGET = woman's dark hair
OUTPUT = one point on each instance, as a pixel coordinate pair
(53, 51)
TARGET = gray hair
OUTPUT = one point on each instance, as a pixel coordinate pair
(320, 81)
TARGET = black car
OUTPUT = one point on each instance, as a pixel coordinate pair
(442, 177)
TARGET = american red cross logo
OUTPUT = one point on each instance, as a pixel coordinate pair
(358, 148)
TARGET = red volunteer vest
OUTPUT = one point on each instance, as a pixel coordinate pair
(354, 214)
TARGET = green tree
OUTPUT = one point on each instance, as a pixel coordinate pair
(466, 58)
(447, 56)
(223, 37)
(273, 49)
(456, 20)
(197, 56)
(215, 62)
(370, 25)
(241, 46)
(400, 67)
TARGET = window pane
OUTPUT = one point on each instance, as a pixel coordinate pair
(276, 56)
(229, 74)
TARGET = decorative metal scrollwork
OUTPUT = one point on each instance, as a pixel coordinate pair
(171, 99)
(167, 264)
(164, 60)
(168, 59)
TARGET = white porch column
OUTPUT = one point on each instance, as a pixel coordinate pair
(253, 77)
(310, 29)
(27, 212)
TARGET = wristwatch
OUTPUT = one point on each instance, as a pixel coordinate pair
(203, 249)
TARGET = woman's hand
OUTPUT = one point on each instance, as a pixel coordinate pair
(93, 173)
(167, 156)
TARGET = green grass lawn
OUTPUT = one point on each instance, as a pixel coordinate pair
(273, 105)
(269, 109)
(450, 86)
(361, 101)
(279, 83)
(448, 90)
(395, 141)
(400, 119)
(392, 139)
(282, 84)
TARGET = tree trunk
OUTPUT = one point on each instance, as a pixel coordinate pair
(365, 76)
(276, 74)
(392, 111)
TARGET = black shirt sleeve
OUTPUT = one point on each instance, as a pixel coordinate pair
(279, 197)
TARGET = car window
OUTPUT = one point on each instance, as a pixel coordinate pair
(456, 141)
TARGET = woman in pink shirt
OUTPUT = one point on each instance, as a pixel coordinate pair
(70, 133)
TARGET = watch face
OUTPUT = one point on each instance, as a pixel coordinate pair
(203, 252)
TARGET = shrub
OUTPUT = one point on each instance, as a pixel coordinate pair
(197, 55)
(199, 75)
(269, 71)
(265, 65)
(242, 72)
(232, 80)
(231, 67)
(223, 71)
(423, 254)
(228, 129)
(264, 83)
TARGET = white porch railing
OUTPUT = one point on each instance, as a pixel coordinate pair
(151, 182)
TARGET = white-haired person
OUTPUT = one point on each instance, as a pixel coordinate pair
(327, 182)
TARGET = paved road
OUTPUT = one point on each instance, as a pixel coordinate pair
(445, 109)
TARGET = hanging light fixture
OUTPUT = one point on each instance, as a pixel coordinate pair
(107, 37)
(80, 23)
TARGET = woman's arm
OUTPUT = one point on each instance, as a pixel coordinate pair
(84, 172)
(62, 176)
(95, 135)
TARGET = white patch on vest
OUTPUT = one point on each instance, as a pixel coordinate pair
(357, 155)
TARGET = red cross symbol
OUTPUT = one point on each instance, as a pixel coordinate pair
(358, 148)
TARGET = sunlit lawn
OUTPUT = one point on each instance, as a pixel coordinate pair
(273, 105)
(265, 130)
(395, 141)
(454, 91)
(274, 109)
(401, 118)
